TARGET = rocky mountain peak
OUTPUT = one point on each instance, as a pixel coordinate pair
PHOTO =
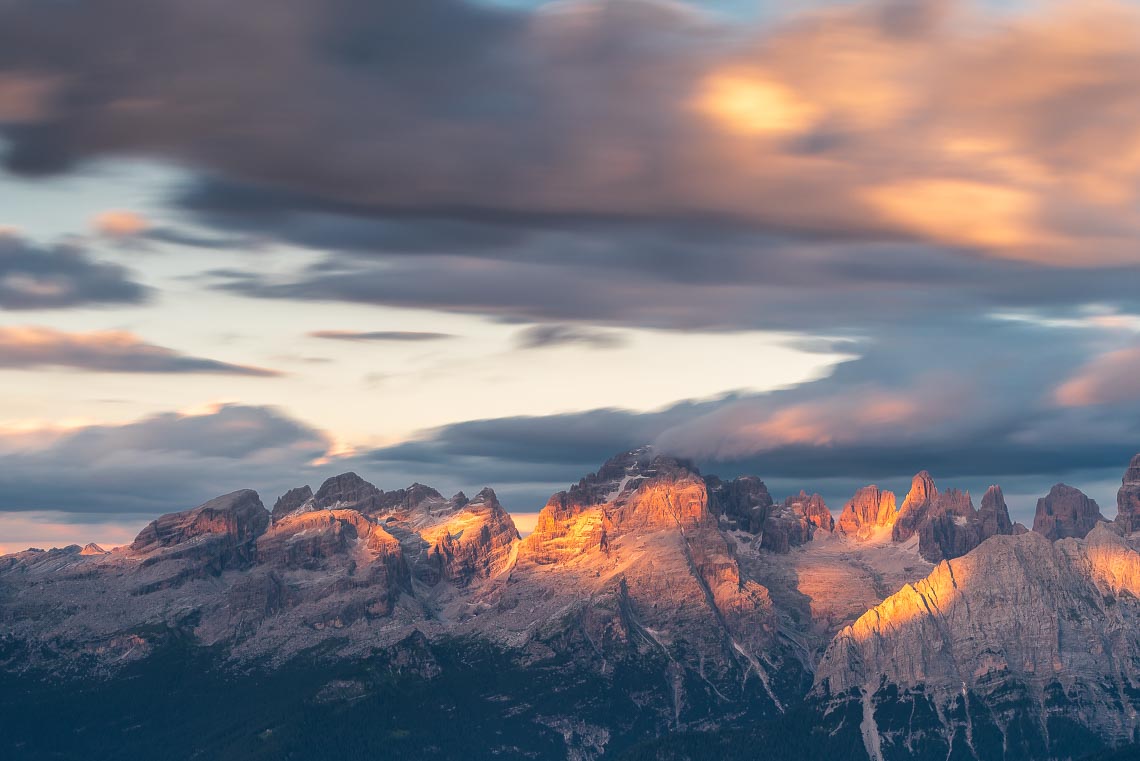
(291, 501)
(623, 474)
(993, 515)
(93, 549)
(1016, 616)
(239, 515)
(794, 522)
(869, 512)
(1066, 512)
(1128, 498)
(346, 490)
(742, 503)
(487, 497)
(216, 535)
(813, 508)
(921, 497)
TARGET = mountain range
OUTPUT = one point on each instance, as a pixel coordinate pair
(653, 612)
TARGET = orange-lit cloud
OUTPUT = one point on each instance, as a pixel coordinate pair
(752, 104)
(863, 414)
(25, 98)
(26, 347)
(961, 131)
(954, 211)
(1112, 377)
(1016, 134)
(120, 223)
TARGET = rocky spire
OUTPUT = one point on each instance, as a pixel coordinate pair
(993, 516)
(1128, 498)
(870, 510)
(1066, 512)
(919, 499)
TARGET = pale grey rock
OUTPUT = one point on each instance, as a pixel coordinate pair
(1019, 614)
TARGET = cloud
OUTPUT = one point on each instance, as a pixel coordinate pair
(120, 223)
(29, 347)
(1108, 379)
(818, 124)
(971, 402)
(697, 279)
(378, 335)
(545, 336)
(164, 462)
(32, 277)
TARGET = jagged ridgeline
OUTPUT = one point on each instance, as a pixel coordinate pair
(653, 613)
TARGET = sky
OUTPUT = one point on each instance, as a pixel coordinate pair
(253, 245)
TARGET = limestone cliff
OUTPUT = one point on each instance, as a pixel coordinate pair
(1021, 629)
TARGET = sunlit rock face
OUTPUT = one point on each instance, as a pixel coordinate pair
(870, 512)
(1017, 636)
(814, 508)
(476, 540)
(1128, 498)
(305, 540)
(1066, 512)
(634, 559)
(633, 491)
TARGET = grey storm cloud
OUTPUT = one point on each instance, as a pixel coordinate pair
(600, 162)
(362, 117)
(160, 463)
(783, 285)
(410, 336)
(35, 277)
(545, 336)
(29, 347)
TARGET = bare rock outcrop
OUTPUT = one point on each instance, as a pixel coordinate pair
(307, 540)
(870, 512)
(946, 523)
(348, 490)
(220, 533)
(1066, 512)
(794, 522)
(475, 542)
(993, 515)
(1128, 498)
(1054, 625)
(742, 503)
(814, 508)
(291, 501)
(631, 491)
(915, 507)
